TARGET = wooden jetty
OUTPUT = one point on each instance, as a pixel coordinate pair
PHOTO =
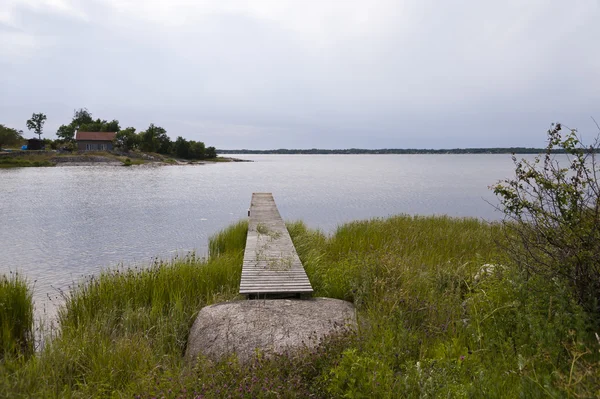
(271, 266)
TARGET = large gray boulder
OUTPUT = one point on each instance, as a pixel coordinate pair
(272, 326)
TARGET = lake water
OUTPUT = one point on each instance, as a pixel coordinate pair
(58, 225)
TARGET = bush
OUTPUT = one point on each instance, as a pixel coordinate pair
(552, 216)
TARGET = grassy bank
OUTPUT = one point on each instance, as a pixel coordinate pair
(23, 161)
(434, 321)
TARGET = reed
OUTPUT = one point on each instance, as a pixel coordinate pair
(16, 316)
(232, 239)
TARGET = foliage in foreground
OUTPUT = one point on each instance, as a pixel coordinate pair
(443, 312)
(119, 328)
(433, 322)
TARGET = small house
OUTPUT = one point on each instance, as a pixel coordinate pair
(95, 141)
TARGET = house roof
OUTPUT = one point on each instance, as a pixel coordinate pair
(95, 136)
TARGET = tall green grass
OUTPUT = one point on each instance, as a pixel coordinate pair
(435, 320)
(232, 239)
(16, 316)
(119, 327)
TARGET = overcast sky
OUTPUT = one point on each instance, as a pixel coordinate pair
(309, 73)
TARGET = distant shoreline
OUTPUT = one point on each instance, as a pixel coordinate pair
(384, 151)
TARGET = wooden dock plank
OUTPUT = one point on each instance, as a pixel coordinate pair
(271, 264)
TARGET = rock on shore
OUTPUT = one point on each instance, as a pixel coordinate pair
(272, 326)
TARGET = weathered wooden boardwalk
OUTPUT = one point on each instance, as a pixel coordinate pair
(271, 265)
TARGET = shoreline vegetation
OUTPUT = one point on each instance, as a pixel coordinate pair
(124, 145)
(442, 310)
(19, 159)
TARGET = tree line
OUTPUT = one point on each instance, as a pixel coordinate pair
(319, 151)
(153, 139)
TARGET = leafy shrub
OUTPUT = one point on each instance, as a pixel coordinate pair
(553, 216)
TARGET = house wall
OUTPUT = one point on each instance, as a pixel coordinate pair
(96, 145)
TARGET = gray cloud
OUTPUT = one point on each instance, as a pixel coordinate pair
(307, 74)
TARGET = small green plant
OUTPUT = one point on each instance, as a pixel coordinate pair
(262, 229)
(360, 376)
(127, 162)
(280, 263)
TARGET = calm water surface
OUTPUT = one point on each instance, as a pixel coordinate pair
(58, 225)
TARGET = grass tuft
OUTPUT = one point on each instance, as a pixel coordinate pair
(16, 316)
(232, 239)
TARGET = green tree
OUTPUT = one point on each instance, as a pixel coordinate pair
(66, 132)
(181, 147)
(127, 139)
(197, 150)
(552, 216)
(211, 152)
(52, 144)
(81, 117)
(36, 123)
(155, 139)
(10, 136)
(165, 145)
(112, 126)
(83, 121)
(100, 125)
(93, 126)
